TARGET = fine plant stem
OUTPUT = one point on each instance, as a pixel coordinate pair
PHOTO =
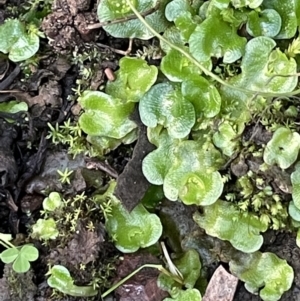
(201, 67)
(4, 245)
(173, 269)
(155, 266)
(125, 19)
(122, 52)
(34, 5)
(80, 291)
(7, 244)
(11, 91)
(187, 55)
(282, 75)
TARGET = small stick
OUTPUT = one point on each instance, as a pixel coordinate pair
(102, 166)
(129, 47)
(122, 52)
(122, 20)
(11, 91)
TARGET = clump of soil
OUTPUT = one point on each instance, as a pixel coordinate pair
(66, 25)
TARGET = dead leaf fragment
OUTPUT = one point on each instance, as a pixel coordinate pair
(131, 183)
(221, 287)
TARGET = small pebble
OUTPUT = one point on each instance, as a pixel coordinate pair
(109, 74)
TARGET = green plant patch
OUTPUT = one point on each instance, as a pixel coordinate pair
(234, 17)
(105, 115)
(17, 41)
(13, 106)
(203, 95)
(261, 67)
(186, 23)
(265, 23)
(167, 283)
(216, 38)
(153, 196)
(130, 230)
(133, 79)
(244, 3)
(184, 16)
(20, 258)
(295, 178)
(157, 163)
(264, 273)
(45, 229)
(189, 294)
(294, 212)
(105, 144)
(298, 238)
(186, 169)
(283, 148)
(110, 10)
(61, 279)
(297, 10)
(199, 187)
(164, 104)
(224, 221)
(189, 266)
(182, 70)
(52, 202)
(172, 34)
(134, 230)
(177, 7)
(225, 138)
(287, 11)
